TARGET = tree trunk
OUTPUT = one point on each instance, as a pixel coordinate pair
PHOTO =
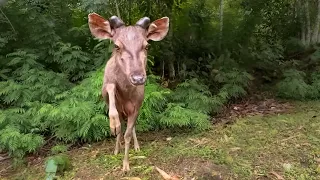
(319, 37)
(315, 38)
(308, 35)
(295, 9)
(172, 72)
(221, 24)
(300, 8)
(163, 69)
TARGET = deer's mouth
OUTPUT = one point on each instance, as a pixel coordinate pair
(137, 80)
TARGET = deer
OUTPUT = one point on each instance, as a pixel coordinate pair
(125, 72)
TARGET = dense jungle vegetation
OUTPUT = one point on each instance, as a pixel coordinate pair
(216, 51)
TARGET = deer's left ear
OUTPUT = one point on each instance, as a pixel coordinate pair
(158, 29)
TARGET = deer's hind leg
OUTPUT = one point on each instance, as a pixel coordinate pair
(135, 140)
(119, 138)
(127, 139)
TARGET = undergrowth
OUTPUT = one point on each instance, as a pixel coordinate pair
(301, 83)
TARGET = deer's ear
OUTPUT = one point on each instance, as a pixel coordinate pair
(158, 29)
(99, 27)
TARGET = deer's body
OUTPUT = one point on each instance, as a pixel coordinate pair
(125, 92)
(125, 72)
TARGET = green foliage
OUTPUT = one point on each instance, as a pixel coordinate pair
(232, 79)
(154, 102)
(293, 45)
(59, 149)
(315, 86)
(71, 59)
(51, 68)
(194, 95)
(176, 115)
(293, 85)
(17, 143)
(57, 164)
(31, 81)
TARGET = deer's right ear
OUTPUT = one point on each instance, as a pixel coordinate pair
(99, 27)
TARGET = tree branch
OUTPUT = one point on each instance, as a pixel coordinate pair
(7, 20)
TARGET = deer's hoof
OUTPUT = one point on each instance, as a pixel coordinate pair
(115, 131)
(126, 167)
(116, 151)
(137, 148)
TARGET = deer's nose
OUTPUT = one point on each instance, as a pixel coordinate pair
(137, 79)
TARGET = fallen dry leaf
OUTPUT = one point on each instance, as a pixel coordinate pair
(234, 149)
(199, 141)
(291, 137)
(250, 107)
(138, 157)
(277, 175)
(94, 153)
(131, 178)
(175, 177)
(165, 175)
(306, 144)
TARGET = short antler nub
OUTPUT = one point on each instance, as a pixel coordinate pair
(115, 22)
(143, 22)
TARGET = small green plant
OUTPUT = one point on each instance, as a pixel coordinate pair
(58, 162)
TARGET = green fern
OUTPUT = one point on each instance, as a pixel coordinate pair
(154, 102)
(176, 115)
(71, 59)
(17, 143)
(195, 95)
(59, 149)
(293, 85)
(314, 91)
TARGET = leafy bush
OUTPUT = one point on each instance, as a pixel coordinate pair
(194, 95)
(17, 144)
(293, 45)
(176, 115)
(78, 114)
(314, 92)
(293, 85)
(231, 79)
(155, 100)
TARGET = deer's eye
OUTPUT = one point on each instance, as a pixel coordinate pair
(147, 47)
(117, 48)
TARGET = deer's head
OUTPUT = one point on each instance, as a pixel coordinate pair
(131, 42)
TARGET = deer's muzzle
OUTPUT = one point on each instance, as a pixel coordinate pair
(137, 79)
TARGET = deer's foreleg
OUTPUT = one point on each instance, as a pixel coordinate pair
(114, 119)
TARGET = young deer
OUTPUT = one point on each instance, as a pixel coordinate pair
(125, 72)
